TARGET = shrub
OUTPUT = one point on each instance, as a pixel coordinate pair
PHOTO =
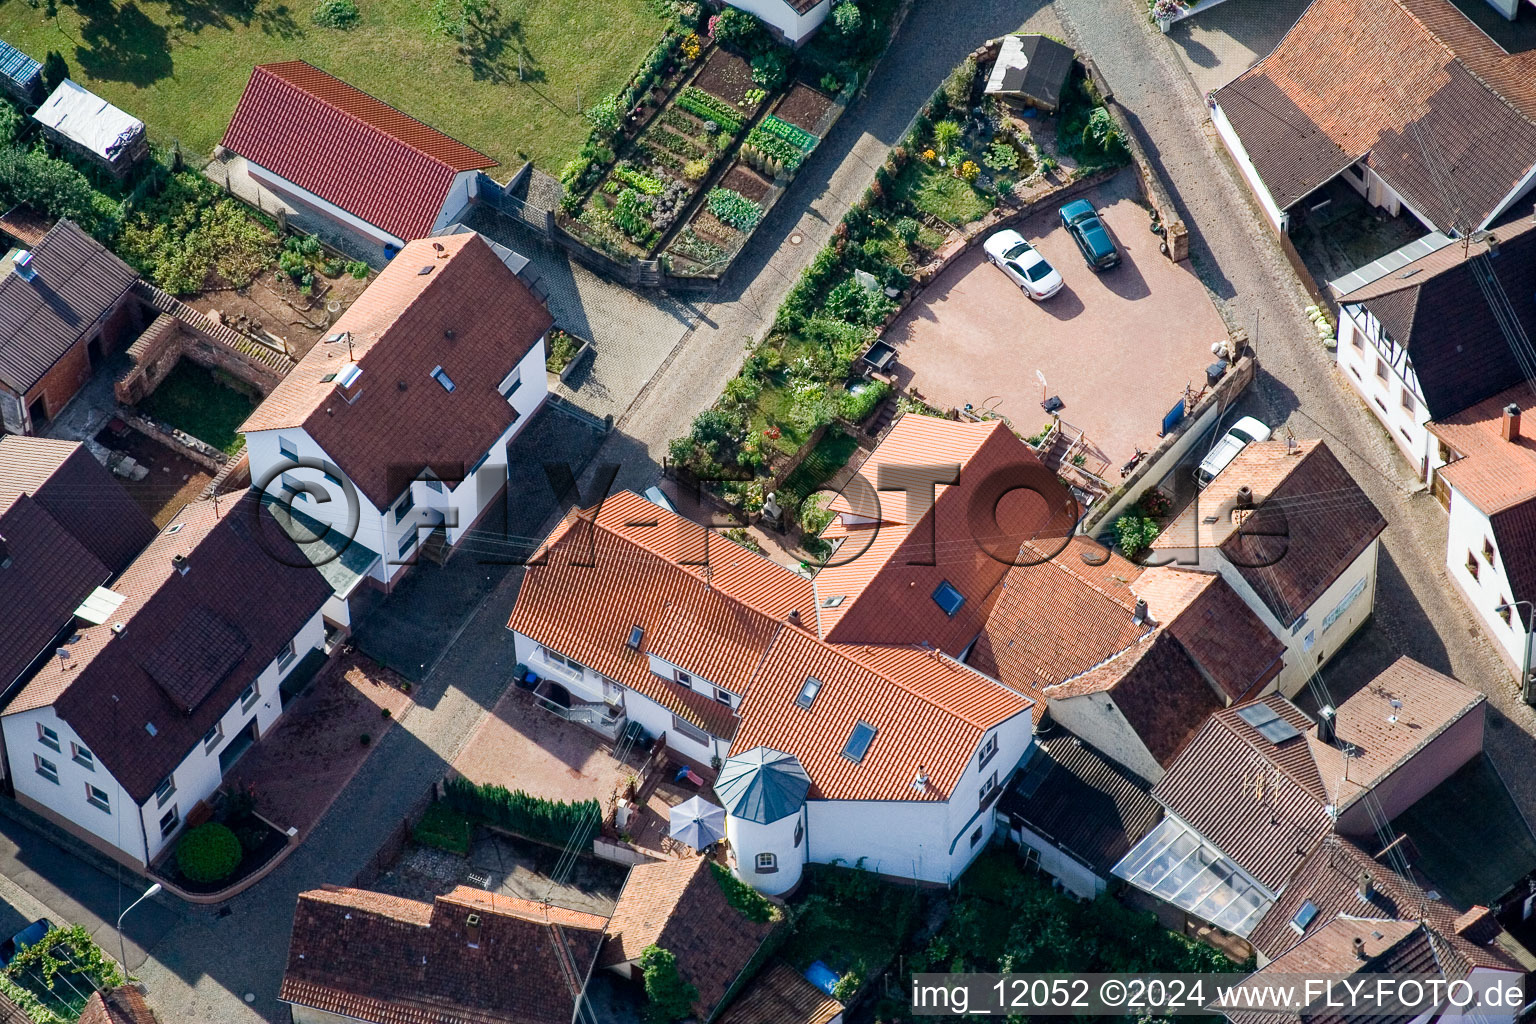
(192, 235)
(550, 821)
(335, 14)
(55, 70)
(209, 853)
(11, 122)
(1135, 532)
(753, 905)
(604, 116)
(958, 86)
(716, 432)
(55, 188)
(770, 68)
(847, 18)
(563, 347)
(668, 997)
(856, 304)
(694, 170)
(733, 208)
(907, 229)
(858, 406)
(1102, 135)
(831, 83)
(358, 269)
(737, 30)
(945, 135)
(444, 828)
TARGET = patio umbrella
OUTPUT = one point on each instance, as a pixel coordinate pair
(697, 822)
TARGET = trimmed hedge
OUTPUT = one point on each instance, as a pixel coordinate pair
(208, 853)
(550, 821)
(444, 828)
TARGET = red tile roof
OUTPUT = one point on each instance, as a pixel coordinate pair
(1220, 632)
(782, 995)
(1156, 687)
(1386, 80)
(67, 526)
(1492, 473)
(592, 582)
(122, 1005)
(109, 691)
(1309, 523)
(928, 711)
(347, 147)
(470, 315)
(969, 537)
(680, 906)
(397, 961)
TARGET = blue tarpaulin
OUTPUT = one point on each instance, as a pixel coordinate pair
(1173, 419)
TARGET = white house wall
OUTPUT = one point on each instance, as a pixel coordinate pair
(1362, 350)
(460, 194)
(1468, 531)
(1075, 876)
(795, 28)
(1277, 219)
(197, 777)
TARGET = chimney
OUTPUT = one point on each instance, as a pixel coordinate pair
(921, 782)
(1325, 722)
(472, 931)
(22, 262)
(1140, 615)
(1365, 885)
(1359, 948)
(1244, 497)
(1511, 429)
(179, 563)
(794, 616)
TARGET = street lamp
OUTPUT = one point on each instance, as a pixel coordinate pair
(1527, 691)
(122, 947)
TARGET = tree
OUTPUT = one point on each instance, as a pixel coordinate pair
(668, 996)
(55, 70)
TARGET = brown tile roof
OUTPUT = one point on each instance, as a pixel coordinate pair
(621, 575)
(1261, 804)
(1075, 796)
(1310, 521)
(928, 711)
(1388, 80)
(396, 961)
(1436, 309)
(25, 224)
(67, 527)
(680, 906)
(122, 1005)
(108, 690)
(1329, 878)
(1158, 689)
(888, 574)
(1385, 737)
(75, 281)
(1223, 636)
(782, 995)
(470, 315)
(347, 147)
(1057, 619)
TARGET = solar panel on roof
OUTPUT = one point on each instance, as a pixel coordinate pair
(99, 606)
(1278, 731)
(1258, 715)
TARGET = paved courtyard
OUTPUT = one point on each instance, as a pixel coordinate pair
(1221, 43)
(1119, 348)
(522, 746)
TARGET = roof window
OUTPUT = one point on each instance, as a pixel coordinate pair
(439, 375)
(948, 598)
(858, 742)
(636, 634)
(808, 691)
(424, 271)
(1305, 916)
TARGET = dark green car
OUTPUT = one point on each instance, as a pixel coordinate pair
(1090, 234)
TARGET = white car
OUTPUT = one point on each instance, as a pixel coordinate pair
(1023, 264)
(1243, 433)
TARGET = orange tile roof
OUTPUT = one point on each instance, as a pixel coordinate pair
(968, 538)
(1493, 474)
(593, 581)
(929, 712)
(680, 906)
(470, 315)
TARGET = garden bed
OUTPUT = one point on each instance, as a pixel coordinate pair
(260, 842)
(804, 106)
(565, 353)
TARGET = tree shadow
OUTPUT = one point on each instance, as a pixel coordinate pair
(496, 49)
(121, 44)
(193, 16)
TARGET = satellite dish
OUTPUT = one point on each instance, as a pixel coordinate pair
(1397, 705)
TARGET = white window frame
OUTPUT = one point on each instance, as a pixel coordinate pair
(49, 738)
(405, 505)
(165, 790)
(212, 737)
(252, 693)
(510, 383)
(287, 449)
(765, 863)
(725, 696)
(682, 678)
(987, 752)
(46, 768)
(91, 797)
(82, 757)
(287, 656)
(170, 821)
(988, 784)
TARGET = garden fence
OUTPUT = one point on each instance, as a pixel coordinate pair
(394, 844)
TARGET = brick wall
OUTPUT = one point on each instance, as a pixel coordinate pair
(61, 383)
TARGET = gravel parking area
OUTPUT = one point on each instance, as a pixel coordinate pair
(1118, 347)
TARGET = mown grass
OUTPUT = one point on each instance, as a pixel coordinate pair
(181, 65)
(831, 454)
(934, 190)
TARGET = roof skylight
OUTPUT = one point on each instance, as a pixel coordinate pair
(858, 742)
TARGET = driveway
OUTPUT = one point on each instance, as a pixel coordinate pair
(1118, 347)
(1219, 44)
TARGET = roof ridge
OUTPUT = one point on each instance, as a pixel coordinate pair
(939, 655)
(267, 69)
(1112, 658)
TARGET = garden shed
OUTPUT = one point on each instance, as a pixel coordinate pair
(20, 75)
(78, 119)
(1031, 69)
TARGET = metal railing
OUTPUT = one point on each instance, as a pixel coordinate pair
(588, 715)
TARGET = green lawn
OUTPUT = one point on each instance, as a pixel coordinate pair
(196, 401)
(180, 65)
(831, 454)
(936, 191)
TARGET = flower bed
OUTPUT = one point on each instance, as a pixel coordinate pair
(564, 352)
